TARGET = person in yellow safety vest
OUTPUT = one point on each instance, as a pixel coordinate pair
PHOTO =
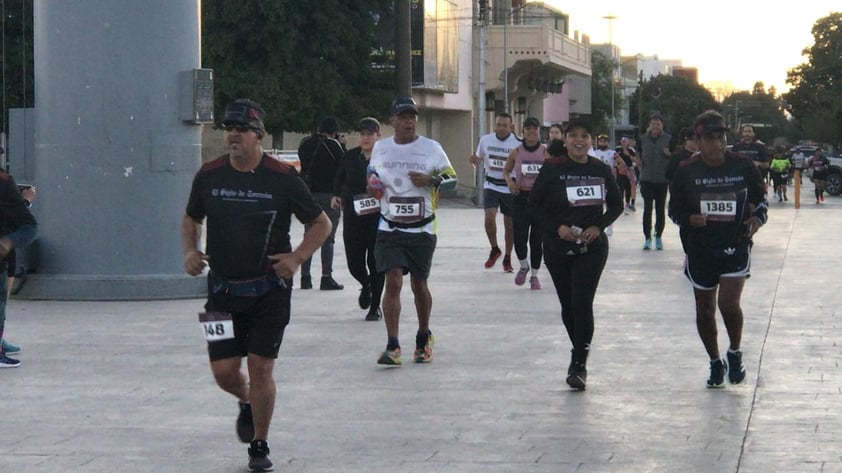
(779, 169)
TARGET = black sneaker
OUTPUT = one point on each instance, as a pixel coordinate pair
(717, 373)
(245, 423)
(736, 368)
(374, 314)
(259, 456)
(328, 284)
(365, 297)
(577, 376)
(306, 282)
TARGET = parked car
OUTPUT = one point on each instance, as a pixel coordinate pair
(287, 156)
(833, 185)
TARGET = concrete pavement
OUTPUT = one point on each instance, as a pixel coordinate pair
(111, 386)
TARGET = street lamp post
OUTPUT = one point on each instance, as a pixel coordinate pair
(611, 19)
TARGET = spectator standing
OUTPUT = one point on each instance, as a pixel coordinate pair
(717, 198)
(248, 198)
(492, 151)
(360, 218)
(653, 160)
(406, 173)
(17, 229)
(320, 155)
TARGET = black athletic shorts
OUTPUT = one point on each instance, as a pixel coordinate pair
(492, 199)
(259, 323)
(704, 266)
(411, 251)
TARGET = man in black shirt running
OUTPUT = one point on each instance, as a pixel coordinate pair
(247, 199)
(717, 198)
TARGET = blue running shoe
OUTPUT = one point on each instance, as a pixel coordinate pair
(6, 362)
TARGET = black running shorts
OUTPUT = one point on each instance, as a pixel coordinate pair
(704, 266)
(492, 199)
(259, 323)
(411, 251)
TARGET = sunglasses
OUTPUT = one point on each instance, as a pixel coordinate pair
(240, 127)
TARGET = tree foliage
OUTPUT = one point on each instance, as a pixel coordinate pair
(602, 68)
(302, 61)
(815, 97)
(17, 53)
(677, 99)
(761, 108)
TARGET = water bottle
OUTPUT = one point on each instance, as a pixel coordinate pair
(375, 184)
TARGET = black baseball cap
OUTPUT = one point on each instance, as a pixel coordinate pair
(403, 104)
(369, 124)
(579, 123)
(244, 112)
(686, 133)
(709, 122)
(531, 122)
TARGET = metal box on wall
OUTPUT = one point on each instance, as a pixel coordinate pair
(196, 96)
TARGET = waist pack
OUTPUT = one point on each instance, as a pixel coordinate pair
(418, 224)
(246, 288)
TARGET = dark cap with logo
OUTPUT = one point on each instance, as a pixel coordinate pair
(531, 122)
(709, 122)
(579, 123)
(244, 112)
(685, 134)
(369, 124)
(403, 104)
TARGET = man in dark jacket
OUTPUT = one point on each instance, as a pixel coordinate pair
(320, 155)
(17, 229)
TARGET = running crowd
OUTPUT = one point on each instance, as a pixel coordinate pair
(558, 199)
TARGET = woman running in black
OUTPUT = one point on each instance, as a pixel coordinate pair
(576, 197)
(361, 215)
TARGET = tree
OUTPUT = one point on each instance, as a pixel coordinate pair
(761, 108)
(301, 60)
(677, 99)
(17, 53)
(602, 71)
(815, 97)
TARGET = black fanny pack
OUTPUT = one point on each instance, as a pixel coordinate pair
(495, 181)
(247, 288)
(418, 224)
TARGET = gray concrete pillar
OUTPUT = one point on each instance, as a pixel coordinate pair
(113, 160)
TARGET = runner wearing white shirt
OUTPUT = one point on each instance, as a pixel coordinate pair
(406, 172)
(492, 151)
(607, 156)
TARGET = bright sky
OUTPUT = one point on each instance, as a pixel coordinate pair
(736, 41)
